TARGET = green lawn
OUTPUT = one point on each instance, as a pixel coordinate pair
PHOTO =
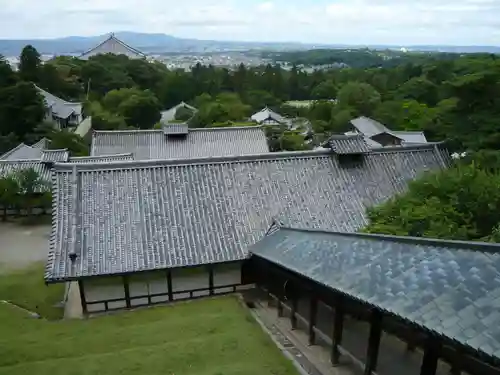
(26, 288)
(206, 337)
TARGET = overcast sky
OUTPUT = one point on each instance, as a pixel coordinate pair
(400, 22)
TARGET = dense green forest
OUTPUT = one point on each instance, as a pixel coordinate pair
(357, 58)
(453, 98)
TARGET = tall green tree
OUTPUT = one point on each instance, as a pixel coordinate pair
(29, 64)
(462, 203)
(9, 194)
(359, 96)
(21, 109)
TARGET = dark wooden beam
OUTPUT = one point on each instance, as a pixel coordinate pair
(373, 342)
(432, 352)
(210, 279)
(338, 327)
(313, 312)
(82, 296)
(169, 285)
(126, 288)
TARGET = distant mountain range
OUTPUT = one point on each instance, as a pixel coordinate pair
(162, 43)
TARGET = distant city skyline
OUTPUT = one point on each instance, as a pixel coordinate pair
(392, 22)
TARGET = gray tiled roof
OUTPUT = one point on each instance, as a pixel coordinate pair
(410, 137)
(348, 144)
(115, 46)
(22, 152)
(60, 155)
(154, 144)
(101, 159)
(450, 287)
(156, 214)
(368, 126)
(42, 144)
(60, 107)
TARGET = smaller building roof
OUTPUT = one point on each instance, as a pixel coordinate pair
(449, 287)
(198, 143)
(348, 144)
(368, 126)
(415, 137)
(115, 46)
(22, 152)
(267, 114)
(169, 114)
(42, 144)
(60, 107)
(53, 156)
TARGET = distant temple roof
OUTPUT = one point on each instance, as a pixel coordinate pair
(115, 46)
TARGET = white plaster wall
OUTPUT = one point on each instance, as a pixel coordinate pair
(149, 283)
(227, 274)
(189, 279)
(105, 288)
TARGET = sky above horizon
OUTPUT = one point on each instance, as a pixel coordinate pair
(399, 22)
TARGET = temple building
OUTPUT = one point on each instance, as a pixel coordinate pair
(114, 46)
(62, 113)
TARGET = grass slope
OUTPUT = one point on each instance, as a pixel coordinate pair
(207, 337)
(25, 288)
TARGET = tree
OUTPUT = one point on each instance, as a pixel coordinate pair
(141, 111)
(325, 90)
(30, 184)
(7, 75)
(137, 107)
(9, 194)
(21, 109)
(420, 89)
(29, 64)
(183, 113)
(75, 144)
(362, 97)
(462, 203)
(280, 138)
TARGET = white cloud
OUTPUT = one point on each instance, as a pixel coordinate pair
(322, 21)
(266, 6)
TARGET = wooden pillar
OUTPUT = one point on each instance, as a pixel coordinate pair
(373, 342)
(211, 279)
(279, 305)
(338, 327)
(432, 352)
(169, 285)
(126, 288)
(293, 311)
(456, 365)
(82, 296)
(313, 312)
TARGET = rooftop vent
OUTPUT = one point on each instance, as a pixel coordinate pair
(350, 149)
(176, 130)
(348, 144)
